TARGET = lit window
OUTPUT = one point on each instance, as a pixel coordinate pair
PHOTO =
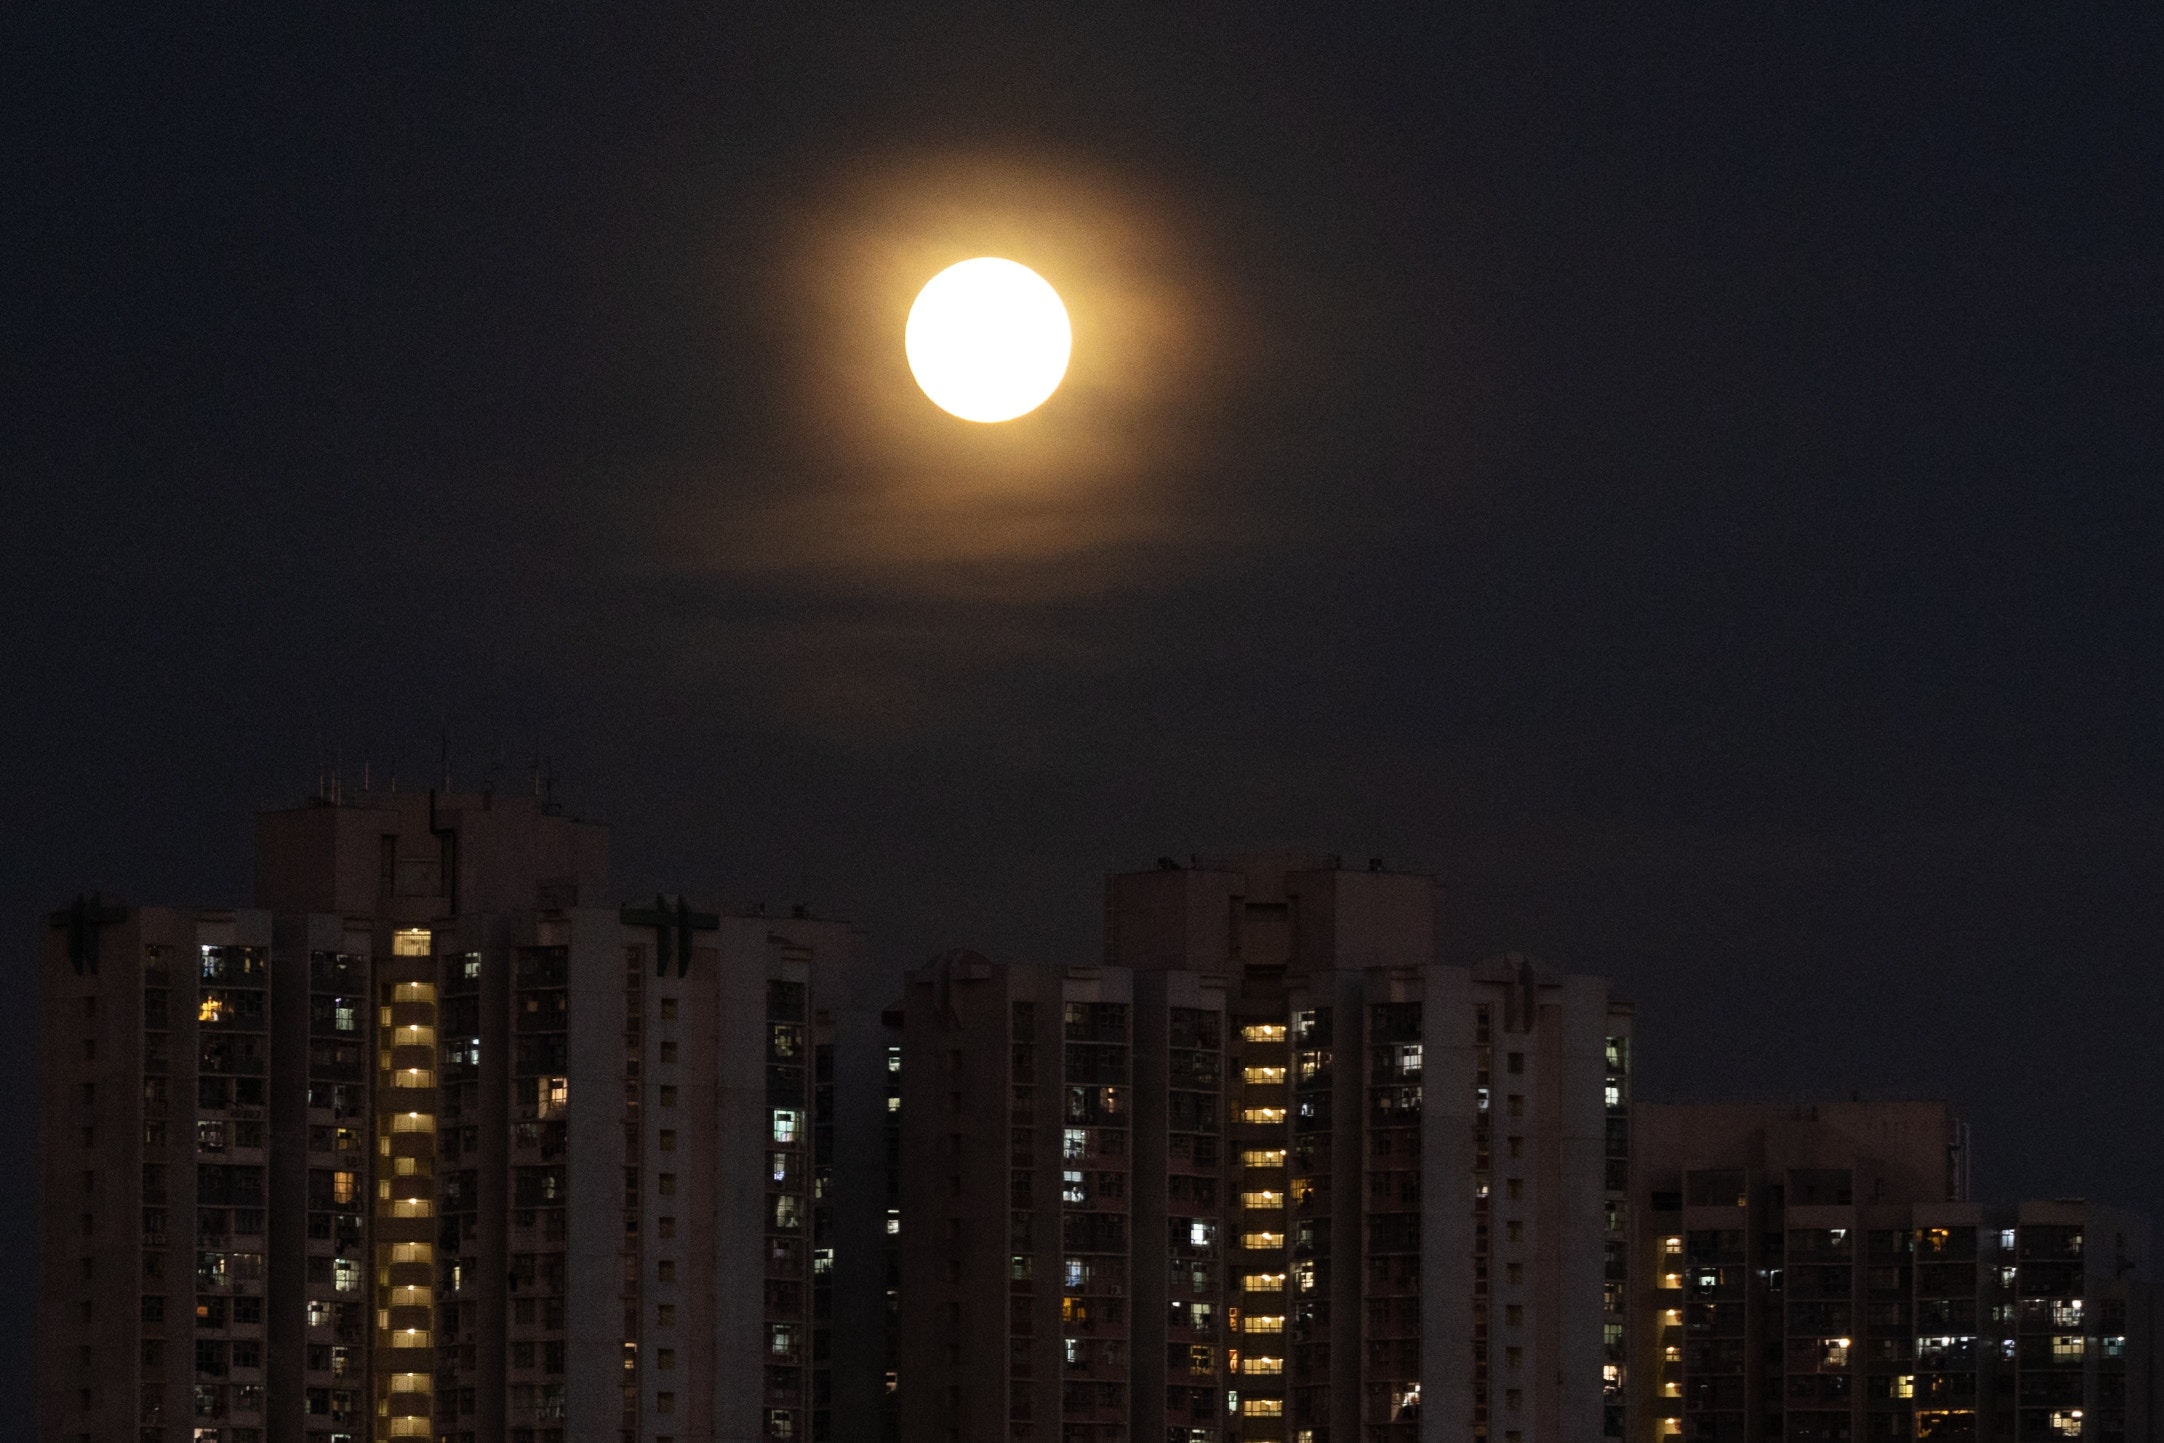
(1264, 1366)
(345, 1186)
(1074, 1143)
(1614, 1094)
(412, 1207)
(1201, 1232)
(413, 1122)
(1262, 1198)
(894, 1222)
(1262, 1282)
(2066, 1348)
(1262, 1114)
(409, 1383)
(1262, 1075)
(1262, 1241)
(1262, 1408)
(413, 1077)
(411, 942)
(346, 1274)
(785, 1124)
(781, 1340)
(2067, 1422)
(1262, 1323)
(894, 1104)
(409, 1338)
(1263, 1032)
(1071, 1188)
(1263, 1157)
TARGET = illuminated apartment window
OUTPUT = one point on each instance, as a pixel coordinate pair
(412, 1207)
(414, 1035)
(409, 1338)
(409, 1382)
(413, 1252)
(412, 942)
(1262, 1408)
(1262, 1282)
(413, 1122)
(1262, 1198)
(1262, 1241)
(1262, 1157)
(2066, 1349)
(413, 1077)
(1262, 1075)
(785, 1124)
(1262, 1366)
(1262, 1114)
(1262, 1323)
(1263, 1032)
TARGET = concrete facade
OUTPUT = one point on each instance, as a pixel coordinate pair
(1310, 1182)
(436, 1145)
(1819, 1272)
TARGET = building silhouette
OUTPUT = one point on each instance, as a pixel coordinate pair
(434, 1143)
(1820, 1273)
(441, 1141)
(1272, 1171)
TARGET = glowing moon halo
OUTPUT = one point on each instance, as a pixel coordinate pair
(988, 339)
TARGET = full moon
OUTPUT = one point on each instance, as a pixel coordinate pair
(988, 339)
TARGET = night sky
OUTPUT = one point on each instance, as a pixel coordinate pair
(1689, 478)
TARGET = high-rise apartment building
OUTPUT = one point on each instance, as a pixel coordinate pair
(1819, 1273)
(434, 1145)
(1273, 1171)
